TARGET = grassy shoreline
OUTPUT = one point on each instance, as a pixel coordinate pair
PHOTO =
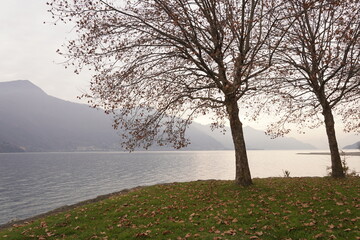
(66, 208)
(273, 208)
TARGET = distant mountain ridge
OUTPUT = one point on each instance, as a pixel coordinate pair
(31, 120)
(353, 146)
(9, 148)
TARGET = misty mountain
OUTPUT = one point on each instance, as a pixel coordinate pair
(31, 120)
(35, 121)
(256, 140)
(10, 148)
(353, 146)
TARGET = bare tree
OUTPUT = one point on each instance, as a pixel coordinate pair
(161, 63)
(320, 70)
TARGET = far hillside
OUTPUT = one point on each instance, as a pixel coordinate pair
(33, 121)
(353, 146)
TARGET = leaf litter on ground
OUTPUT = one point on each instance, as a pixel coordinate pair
(273, 208)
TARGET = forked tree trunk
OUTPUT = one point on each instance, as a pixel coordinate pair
(242, 170)
(337, 170)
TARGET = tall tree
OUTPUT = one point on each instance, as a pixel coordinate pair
(160, 63)
(320, 70)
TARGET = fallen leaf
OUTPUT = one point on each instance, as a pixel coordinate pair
(166, 232)
(143, 234)
(318, 235)
(272, 199)
(231, 232)
(310, 224)
(43, 225)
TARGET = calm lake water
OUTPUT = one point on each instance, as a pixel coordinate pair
(34, 183)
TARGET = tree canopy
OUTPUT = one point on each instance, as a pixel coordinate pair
(318, 72)
(319, 63)
(159, 64)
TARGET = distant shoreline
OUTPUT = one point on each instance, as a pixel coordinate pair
(327, 153)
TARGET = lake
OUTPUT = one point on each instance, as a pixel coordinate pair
(34, 183)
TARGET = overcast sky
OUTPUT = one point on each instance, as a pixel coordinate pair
(28, 49)
(28, 52)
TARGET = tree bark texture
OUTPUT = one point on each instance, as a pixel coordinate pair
(242, 170)
(337, 170)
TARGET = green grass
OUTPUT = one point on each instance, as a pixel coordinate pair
(273, 208)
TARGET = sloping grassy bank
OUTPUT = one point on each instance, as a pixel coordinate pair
(273, 208)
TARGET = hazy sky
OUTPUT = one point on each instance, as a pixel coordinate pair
(28, 49)
(28, 52)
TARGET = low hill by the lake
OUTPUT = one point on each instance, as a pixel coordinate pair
(353, 146)
(31, 120)
(6, 147)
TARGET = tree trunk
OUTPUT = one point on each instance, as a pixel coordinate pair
(337, 170)
(242, 170)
